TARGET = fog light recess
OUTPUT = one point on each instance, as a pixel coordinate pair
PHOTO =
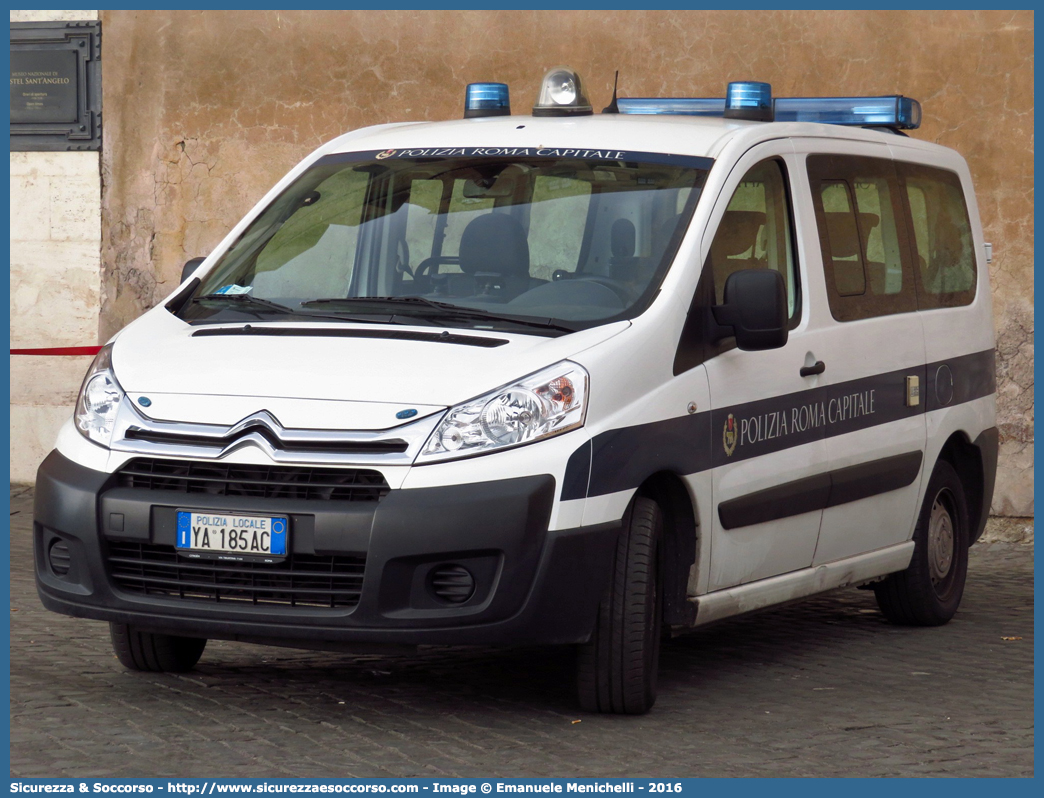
(59, 558)
(451, 583)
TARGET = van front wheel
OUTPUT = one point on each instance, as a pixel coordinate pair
(929, 591)
(616, 669)
(157, 653)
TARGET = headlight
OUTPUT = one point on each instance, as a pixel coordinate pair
(99, 400)
(550, 402)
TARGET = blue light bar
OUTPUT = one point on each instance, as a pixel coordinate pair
(681, 106)
(889, 111)
(486, 99)
(895, 111)
(749, 100)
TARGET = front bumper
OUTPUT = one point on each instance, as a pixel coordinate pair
(532, 585)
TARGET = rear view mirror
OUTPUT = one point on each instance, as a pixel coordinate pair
(754, 310)
(189, 267)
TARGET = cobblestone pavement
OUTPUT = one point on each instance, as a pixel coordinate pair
(821, 688)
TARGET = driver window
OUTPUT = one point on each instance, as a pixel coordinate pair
(755, 232)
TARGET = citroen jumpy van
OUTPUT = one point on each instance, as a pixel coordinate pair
(561, 378)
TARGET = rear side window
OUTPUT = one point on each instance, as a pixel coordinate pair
(942, 236)
(863, 236)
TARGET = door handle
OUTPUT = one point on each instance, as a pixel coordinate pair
(811, 371)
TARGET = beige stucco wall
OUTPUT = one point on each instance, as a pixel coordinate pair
(55, 283)
(206, 110)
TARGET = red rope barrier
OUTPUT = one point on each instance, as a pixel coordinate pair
(61, 351)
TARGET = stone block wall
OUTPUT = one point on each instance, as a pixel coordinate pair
(55, 283)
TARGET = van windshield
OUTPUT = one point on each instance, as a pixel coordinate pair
(491, 242)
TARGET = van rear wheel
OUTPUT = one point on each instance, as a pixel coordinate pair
(156, 653)
(616, 669)
(929, 591)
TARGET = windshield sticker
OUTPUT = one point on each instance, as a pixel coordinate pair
(525, 152)
(235, 289)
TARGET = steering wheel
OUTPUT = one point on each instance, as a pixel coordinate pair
(425, 265)
(618, 287)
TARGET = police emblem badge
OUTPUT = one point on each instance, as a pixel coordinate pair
(728, 437)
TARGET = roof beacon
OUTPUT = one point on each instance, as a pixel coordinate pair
(893, 110)
(486, 99)
(562, 94)
(749, 100)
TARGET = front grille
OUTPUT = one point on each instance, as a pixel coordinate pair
(393, 446)
(258, 481)
(302, 580)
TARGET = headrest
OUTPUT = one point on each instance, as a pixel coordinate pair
(622, 238)
(737, 233)
(495, 242)
(844, 241)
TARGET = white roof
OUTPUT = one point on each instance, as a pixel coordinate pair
(676, 135)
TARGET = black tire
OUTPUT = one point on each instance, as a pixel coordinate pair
(155, 653)
(616, 669)
(929, 591)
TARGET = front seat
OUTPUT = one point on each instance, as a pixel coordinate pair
(737, 235)
(494, 257)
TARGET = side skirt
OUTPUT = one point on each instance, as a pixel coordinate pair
(798, 584)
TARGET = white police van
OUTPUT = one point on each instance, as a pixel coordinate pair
(561, 378)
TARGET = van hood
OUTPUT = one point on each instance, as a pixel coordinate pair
(364, 373)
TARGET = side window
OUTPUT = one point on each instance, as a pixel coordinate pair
(557, 227)
(421, 214)
(942, 237)
(846, 255)
(862, 236)
(314, 249)
(755, 232)
(462, 210)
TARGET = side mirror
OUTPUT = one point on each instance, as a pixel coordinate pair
(754, 310)
(189, 267)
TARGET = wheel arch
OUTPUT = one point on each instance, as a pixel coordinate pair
(678, 549)
(967, 460)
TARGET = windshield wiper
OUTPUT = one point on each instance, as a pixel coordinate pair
(526, 321)
(410, 301)
(434, 308)
(259, 304)
(243, 299)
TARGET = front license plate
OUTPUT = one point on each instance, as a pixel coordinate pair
(231, 535)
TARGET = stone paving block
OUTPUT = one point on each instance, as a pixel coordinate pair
(821, 688)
